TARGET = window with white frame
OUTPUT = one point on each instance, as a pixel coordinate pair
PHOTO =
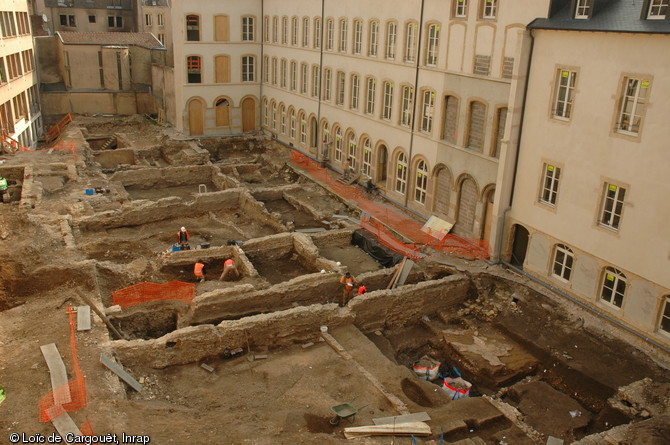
(303, 129)
(160, 20)
(490, 9)
(612, 206)
(248, 68)
(303, 78)
(284, 30)
(284, 66)
(282, 122)
(658, 9)
(338, 144)
(330, 33)
(366, 168)
(391, 32)
(344, 29)
(315, 81)
(410, 42)
(275, 71)
(582, 9)
(433, 40)
(274, 116)
(266, 29)
(388, 101)
(633, 101)
(550, 177)
(340, 88)
(266, 69)
(266, 113)
(665, 316)
(421, 183)
(327, 79)
(305, 32)
(294, 75)
(355, 91)
(275, 29)
(401, 174)
(613, 288)
(427, 111)
(370, 96)
(565, 87)
(563, 260)
(407, 104)
(292, 125)
(351, 154)
(317, 33)
(374, 39)
(461, 8)
(147, 19)
(247, 29)
(294, 31)
(358, 36)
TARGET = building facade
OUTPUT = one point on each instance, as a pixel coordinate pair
(155, 16)
(589, 214)
(86, 15)
(20, 114)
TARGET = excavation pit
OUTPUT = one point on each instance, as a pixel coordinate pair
(233, 150)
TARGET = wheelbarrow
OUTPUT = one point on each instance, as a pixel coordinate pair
(345, 411)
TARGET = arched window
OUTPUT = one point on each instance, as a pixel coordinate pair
(222, 113)
(292, 125)
(282, 122)
(401, 174)
(421, 182)
(353, 147)
(303, 129)
(266, 113)
(367, 157)
(563, 260)
(373, 39)
(614, 286)
(192, 28)
(411, 38)
(274, 116)
(432, 44)
(476, 119)
(427, 111)
(338, 144)
(194, 69)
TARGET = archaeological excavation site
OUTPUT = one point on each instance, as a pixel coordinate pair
(105, 329)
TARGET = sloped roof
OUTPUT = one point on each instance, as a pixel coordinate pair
(143, 39)
(608, 16)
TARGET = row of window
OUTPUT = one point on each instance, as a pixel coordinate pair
(20, 107)
(654, 10)
(363, 94)
(631, 103)
(149, 19)
(613, 282)
(194, 69)
(17, 65)
(611, 202)
(221, 28)
(14, 23)
(69, 20)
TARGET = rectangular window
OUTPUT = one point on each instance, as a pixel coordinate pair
(433, 39)
(427, 111)
(665, 316)
(266, 69)
(159, 19)
(366, 166)
(612, 206)
(284, 30)
(161, 38)
(355, 87)
(330, 32)
(614, 287)
(315, 81)
(550, 177)
(3, 74)
(343, 36)
(303, 130)
(248, 68)
(482, 65)
(490, 9)
(390, 40)
(275, 29)
(194, 69)
(407, 104)
(340, 88)
(275, 72)
(292, 126)
(327, 74)
(91, 19)
(374, 36)
(266, 29)
(370, 96)
(388, 101)
(563, 259)
(358, 36)
(294, 31)
(565, 87)
(303, 79)
(633, 101)
(461, 8)
(294, 76)
(248, 29)
(657, 9)
(305, 32)
(147, 19)
(582, 9)
(410, 43)
(317, 33)
(114, 21)
(284, 68)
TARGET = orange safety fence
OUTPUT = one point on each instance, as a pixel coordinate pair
(385, 218)
(55, 130)
(16, 146)
(146, 291)
(57, 402)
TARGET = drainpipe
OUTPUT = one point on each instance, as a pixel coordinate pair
(318, 109)
(416, 92)
(263, 67)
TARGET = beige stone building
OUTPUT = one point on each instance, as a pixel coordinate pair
(154, 16)
(86, 15)
(20, 113)
(589, 213)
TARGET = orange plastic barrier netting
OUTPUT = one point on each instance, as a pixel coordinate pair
(393, 218)
(60, 145)
(87, 430)
(143, 292)
(57, 402)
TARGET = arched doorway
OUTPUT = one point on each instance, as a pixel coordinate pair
(467, 204)
(313, 133)
(519, 245)
(443, 180)
(222, 112)
(382, 163)
(196, 117)
(248, 114)
(488, 214)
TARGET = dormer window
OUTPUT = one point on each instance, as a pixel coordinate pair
(658, 9)
(583, 9)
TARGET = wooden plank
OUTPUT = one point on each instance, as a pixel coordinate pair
(64, 424)
(118, 370)
(406, 418)
(403, 429)
(404, 273)
(83, 318)
(58, 374)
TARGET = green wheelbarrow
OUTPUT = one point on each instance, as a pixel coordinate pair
(345, 411)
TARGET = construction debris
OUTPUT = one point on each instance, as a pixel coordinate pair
(402, 429)
(118, 370)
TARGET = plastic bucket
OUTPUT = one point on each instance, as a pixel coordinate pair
(90, 191)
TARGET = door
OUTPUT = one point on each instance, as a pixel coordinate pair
(520, 246)
(488, 216)
(196, 117)
(382, 161)
(248, 114)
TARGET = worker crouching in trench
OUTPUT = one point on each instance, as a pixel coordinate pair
(230, 272)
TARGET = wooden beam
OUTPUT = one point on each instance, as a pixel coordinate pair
(118, 370)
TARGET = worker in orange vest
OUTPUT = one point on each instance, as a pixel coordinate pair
(182, 239)
(362, 289)
(348, 282)
(229, 269)
(199, 270)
